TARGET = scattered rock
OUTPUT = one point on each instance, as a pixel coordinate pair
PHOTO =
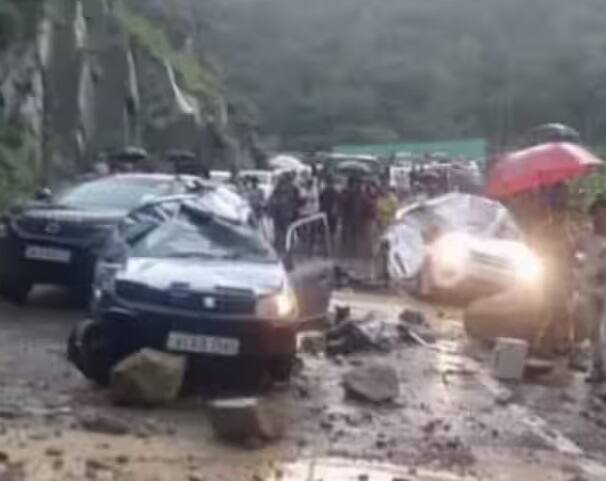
(4, 457)
(504, 398)
(54, 452)
(373, 383)
(104, 424)
(148, 377)
(58, 464)
(239, 420)
(92, 465)
(195, 477)
(122, 459)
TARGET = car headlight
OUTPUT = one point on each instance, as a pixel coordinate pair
(527, 265)
(280, 306)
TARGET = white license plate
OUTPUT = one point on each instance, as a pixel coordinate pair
(221, 346)
(51, 254)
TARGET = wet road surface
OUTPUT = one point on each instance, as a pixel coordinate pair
(451, 421)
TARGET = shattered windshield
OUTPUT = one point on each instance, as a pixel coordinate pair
(191, 235)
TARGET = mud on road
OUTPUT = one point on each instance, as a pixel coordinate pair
(450, 421)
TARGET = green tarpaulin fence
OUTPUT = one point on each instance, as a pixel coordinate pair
(472, 149)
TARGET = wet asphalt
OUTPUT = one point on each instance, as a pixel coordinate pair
(451, 421)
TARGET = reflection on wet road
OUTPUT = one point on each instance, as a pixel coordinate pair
(451, 421)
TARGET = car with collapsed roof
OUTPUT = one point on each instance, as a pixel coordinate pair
(183, 274)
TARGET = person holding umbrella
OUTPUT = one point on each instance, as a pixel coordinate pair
(532, 182)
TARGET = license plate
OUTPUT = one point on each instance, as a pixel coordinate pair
(221, 346)
(51, 254)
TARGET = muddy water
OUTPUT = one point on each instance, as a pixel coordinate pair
(447, 423)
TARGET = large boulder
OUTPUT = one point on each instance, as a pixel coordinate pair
(374, 383)
(148, 377)
(243, 419)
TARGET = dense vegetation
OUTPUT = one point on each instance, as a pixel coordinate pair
(320, 72)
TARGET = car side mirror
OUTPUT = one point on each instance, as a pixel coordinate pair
(44, 194)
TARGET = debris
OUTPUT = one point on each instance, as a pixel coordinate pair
(243, 419)
(54, 452)
(537, 367)
(122, 459)
(148, 377)
(374, 383)
(413, 317)
(367, 334)
(312, 342)
(509, 358)
(504, 398)
(195, 477)
(104, 424)
(4, 457)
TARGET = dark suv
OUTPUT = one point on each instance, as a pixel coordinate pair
(56, 241)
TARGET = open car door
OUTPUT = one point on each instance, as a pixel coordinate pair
(310, 265)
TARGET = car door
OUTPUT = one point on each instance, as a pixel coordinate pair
(310, 264)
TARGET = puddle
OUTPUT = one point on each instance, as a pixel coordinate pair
(336, 469)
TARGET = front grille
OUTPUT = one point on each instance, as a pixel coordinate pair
(48, 228)
(490, 261)
(211, 303)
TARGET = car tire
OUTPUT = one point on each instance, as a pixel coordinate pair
(88, 348)
(15, 291)
(281, 368)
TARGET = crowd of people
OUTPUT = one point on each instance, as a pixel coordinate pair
(356, 214)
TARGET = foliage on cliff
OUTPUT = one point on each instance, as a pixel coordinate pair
(152, 36)
(18, 19)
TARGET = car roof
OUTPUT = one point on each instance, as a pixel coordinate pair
(154, 176)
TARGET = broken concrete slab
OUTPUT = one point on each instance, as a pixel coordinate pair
(148, 377)
(104, 424)
(374, 383)
(241, 419)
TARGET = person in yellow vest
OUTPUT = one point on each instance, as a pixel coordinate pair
(387, 206)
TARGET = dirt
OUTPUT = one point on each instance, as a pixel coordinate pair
(449, 420)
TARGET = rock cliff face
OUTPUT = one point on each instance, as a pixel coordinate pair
(104, 74)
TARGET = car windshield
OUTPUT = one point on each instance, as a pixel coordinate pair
(199, 235)
(114, 193)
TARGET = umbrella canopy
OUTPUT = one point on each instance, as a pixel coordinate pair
(353, 166)
(539, 166)
(131, 154)
(554, 132)
(286, 162)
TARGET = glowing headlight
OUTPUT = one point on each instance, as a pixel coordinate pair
(451, 253)
(281, 306)
(528, 267)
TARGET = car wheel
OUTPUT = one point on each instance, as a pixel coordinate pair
(281, 368)
(89, 348)
(15, 290)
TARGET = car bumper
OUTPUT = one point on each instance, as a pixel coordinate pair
(136, 329)
(78, 271)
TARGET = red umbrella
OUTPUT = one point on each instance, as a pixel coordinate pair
(539, 166)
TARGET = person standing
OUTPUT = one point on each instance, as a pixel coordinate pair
(329, 206)
(256, 197)
(595, 278)
(283, 208)
(387, 206)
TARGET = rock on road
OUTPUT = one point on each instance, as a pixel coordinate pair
(450, 420)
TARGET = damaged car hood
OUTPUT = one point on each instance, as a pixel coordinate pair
(204, 275)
